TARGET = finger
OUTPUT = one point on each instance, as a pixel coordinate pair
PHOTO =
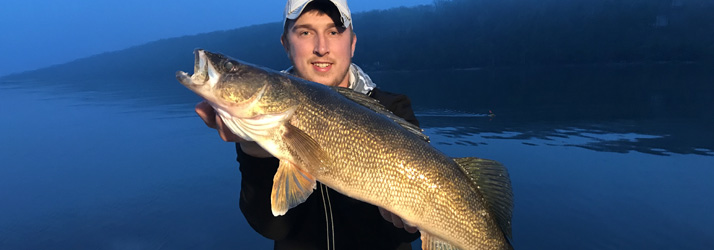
(207, 114)
(397, 221)
(410, 229)
(386, 215)
(223, 131)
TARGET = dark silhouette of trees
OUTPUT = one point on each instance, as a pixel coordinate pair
(454, 34)
(487, 33)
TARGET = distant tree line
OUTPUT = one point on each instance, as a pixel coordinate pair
(454, 34)
(486, 33)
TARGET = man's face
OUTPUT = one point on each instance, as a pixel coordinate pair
(320, 51)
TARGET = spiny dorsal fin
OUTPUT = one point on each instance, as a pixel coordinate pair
(375, 106)
(492, 180)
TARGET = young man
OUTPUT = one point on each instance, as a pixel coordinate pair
(320, 43)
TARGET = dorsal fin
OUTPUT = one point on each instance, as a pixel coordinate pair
(374, 105)
(492, 179)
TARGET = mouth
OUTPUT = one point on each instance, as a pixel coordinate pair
(322, 66)
(203, 71)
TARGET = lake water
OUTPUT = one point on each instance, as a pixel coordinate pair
(125, 165)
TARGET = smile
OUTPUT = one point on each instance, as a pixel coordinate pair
(321, 65)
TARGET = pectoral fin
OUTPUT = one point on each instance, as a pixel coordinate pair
(291, 186)
(429, 242)
(306, 148)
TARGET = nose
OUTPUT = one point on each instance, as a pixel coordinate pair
(321, 46)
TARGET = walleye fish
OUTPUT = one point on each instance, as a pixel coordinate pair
(352, 144)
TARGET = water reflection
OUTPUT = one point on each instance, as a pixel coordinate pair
(672, 129)
(656, 137)
(164, 97)
(564, 93)
(570, 197)
(91, 172)
(128, 165)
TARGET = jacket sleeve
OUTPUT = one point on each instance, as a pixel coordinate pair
(256, 186)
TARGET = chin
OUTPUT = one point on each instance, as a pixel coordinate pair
(325, 81)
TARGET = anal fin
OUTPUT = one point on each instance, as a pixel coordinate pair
(429, 242)
(291, 186)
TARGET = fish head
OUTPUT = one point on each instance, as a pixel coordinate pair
(233, 86)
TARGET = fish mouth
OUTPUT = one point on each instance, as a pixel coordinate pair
(203, 71)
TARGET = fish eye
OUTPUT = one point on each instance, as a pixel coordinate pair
(229, 65)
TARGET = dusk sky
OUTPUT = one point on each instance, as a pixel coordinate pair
(40, 33)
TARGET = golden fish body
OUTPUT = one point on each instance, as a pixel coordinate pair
(348, 142)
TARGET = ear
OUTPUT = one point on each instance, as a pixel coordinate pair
(285, 43)
(354, 42)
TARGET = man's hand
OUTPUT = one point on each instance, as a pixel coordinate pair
(398, 222)
(212, 120)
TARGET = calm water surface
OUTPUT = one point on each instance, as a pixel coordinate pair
(84, 168)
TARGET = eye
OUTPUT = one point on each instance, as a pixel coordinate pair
(229, 66)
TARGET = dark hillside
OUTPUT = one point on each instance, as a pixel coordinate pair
(453, 34)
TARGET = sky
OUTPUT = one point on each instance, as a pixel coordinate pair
(40, 33)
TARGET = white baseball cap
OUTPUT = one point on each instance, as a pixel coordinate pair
(294, 8)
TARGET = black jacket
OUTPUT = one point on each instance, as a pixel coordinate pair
(327, 218)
